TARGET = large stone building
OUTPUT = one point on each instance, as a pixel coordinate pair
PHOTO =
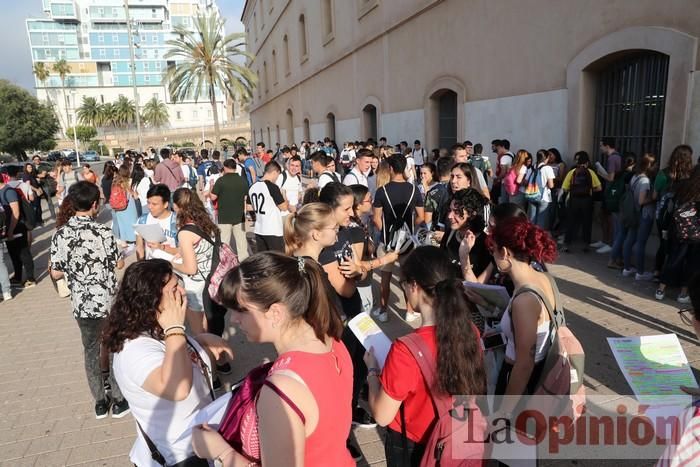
(92, 36)
(541, 73)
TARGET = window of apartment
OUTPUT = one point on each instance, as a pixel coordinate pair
(146, 66)
(116, 53)
(115, 11)
(154, 38)
(159, 66)
(303, 46)
(103, 53)
(70, 117)
(274, 67)
(81, 67)
(265, 82)
(178, 115)
(285, 50)
(101, 38)
(45, 38)
(194, 114)
(61, 53)
(100, 11)
(327, 12)
(146, 79)
(209, 114)
(102, 98)
(153, 13)
(61, 39)
(115, 38)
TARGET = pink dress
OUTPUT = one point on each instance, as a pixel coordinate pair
(329, 377)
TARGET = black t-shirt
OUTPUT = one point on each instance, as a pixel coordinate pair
(397, 195)
(343, 249)
(479, 256)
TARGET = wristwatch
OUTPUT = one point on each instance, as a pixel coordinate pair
(219, 461)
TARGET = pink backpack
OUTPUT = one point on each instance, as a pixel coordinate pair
(510, 183)
(457, 421)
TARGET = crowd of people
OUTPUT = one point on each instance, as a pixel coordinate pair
(323, 220)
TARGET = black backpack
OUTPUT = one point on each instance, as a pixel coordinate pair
(581, 182)
(26, 212)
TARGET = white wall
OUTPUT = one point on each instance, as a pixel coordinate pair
(407, 125)
(693, 131)
(530, 121)
(347, 130)
(317, 131)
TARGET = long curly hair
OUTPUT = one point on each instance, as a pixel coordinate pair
(65, 211)
(191, 210)
(680, 164)
(524, 239)
(460, 364)
(688, 190)
(135, 308)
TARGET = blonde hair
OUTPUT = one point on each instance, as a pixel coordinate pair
(520, 160)
(383, 173)
(298, 225)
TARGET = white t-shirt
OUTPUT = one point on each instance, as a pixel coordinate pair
(327, 177)
(292, 188)
(265, 196)
(506, 160)
(410, 171)
(523, 183)
(166, 422)
(165, 224)
(142, 190)
(355, 177)
(419, 156)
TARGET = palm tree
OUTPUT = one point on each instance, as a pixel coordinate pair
(155, 113)
(63, 68)
(42, 73)
(108, 115)
(89, 112)
(124, 112)
(207, 60)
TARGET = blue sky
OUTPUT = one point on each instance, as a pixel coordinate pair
(15, 56)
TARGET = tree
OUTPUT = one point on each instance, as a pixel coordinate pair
(155, 113)
(63, 68)
(25, 123)
(89, 112)
(42, 73)
(84, 133)
(124, 112)
(108, 115)
(206, 60)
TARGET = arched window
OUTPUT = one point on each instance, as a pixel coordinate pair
(285, 50)
(370, 122)
(444, 106)
(265, 82)
(330, 125)
(327, 12)
(290, 127)
(274, 68)
(307, 130)
(259, 84)
(303, 46)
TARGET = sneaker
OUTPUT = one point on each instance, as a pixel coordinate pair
(362, 419)
(615, 265)
(375, 312)
(660, 294)
(560, 240)
(354, 452)
(120, 409)
(28, 284)
(16, 285)
(7, 296)
(605, 249)
(597, 244)
(101, 409)
(683, 299)
(383, 316)
(224, 369)
(216, 384)
(412, 316)
(629, 272)
(645, 276)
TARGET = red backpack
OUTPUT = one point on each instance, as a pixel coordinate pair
(457, 423)
(118, 198)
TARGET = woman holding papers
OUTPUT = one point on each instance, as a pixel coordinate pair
(301, 415)
(126, 218)
(196, 235)
(517, 245)
(452, 342)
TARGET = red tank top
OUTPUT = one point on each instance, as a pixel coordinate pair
(329, 378)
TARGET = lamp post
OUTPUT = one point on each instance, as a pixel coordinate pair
(133, 73)
(75, 128)
(201, 122)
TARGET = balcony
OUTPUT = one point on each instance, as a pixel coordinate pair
(63, 10)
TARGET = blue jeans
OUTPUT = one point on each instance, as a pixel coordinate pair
(4, 275)
(538, 212)
(618, 242)
(643, 232)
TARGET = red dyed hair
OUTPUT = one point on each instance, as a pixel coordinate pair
(524, 239)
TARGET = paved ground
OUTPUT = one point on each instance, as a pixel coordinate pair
(46, 413)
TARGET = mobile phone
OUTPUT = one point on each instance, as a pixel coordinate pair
(492, 341)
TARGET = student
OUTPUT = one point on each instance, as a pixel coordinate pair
(320, 163)
(419, 155)
(396, 203)
(158, 212)
(229, 192)
(580, 183)
(358, 174)
(268, 204)
(291, 185)
(543, 176)
(398, 392)
(480, 162)
(302, 413)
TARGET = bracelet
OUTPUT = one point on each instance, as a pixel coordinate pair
(174, 334)
(174, 326)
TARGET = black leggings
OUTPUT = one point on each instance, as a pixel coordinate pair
(395, 452)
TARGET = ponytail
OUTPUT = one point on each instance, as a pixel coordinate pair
(291, 242)
(322, 314)
(65, 211)
(460, 368)
(298, 225)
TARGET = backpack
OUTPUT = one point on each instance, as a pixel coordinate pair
(614, 192)
(192, 178)
(510, 182)
(459, 420)
(399, 232)
(118, 198)
(259, 167)
(533, 191)
(439, 195)
(629, 211)
(664, 211)
(581, 183)
(686, 218)
(26, 212)
(333, 176)
(561, 380)
(478, 162)
(284, 178)
(223, 260)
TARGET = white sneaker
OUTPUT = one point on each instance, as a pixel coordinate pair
(645, 276)
(629, 272)
(412, 316)
(7, 296)
(383, 317)
(597, 244)
(604, 249)
(375, 312)
(683, 299)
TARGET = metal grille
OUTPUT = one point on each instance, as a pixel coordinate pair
(630, 103)
(447, 118)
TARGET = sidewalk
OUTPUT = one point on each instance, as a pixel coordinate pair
(46, 412)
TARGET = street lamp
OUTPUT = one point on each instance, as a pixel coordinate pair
(75, 127)
(201, 122)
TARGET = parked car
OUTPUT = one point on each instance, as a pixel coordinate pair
(90, 156)
(54, 156)
(71, 156)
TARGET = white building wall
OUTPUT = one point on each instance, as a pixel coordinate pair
(347, 130)
(530, 121)
(318, 131)
(400, 126)
(693, 130)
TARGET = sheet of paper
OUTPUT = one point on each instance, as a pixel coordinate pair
(370, 335)
(150, 232)
(653, 365)
(213, 413)
(494, 294)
